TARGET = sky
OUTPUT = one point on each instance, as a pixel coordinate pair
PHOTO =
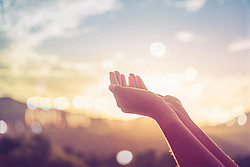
(196, 50)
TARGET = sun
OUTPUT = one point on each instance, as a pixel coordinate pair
(157, 49)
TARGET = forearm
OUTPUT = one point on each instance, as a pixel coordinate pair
(188, 151)
(207, 142)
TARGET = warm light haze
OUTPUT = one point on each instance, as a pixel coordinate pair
(55, 55)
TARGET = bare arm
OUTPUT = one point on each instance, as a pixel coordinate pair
(187, 121)
(205, 140)
(194, 129)
(188, 151)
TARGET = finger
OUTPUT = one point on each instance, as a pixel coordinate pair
(131, 81)
(118, 77)
(113, 79)
(135, 81)
(123, 79)
(141, 83)
(159, 95)
(171, 98)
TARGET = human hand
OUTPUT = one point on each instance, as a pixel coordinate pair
(135, 100)
(136, 82)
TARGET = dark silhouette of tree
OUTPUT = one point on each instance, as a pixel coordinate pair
(243, 161)
(38, 151)
(7, 145)
(147, 159)
(35, 151)
(166, 160)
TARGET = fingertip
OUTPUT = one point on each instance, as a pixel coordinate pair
(112, 87)
(122, 76)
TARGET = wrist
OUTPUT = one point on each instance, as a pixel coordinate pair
(165, 115)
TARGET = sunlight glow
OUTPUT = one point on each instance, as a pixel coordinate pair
(85, 102)
(61, 103)
(203, 115)
(3, 127)
(190, 73)
(242, 119)
(230, 122)
(108, 64)
(157, 49)
(78, 102)
(197, 89)
(45, 103)
(88, 102)
(219, 116)
(77, 120)
(223, 116)
(102, 104)
(237, 110)
(213, 117)
(124, 157)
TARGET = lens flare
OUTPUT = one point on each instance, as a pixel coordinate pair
(190, 73)
(157, 49)
(45, 103)
(197, 89)
(78, 102)
(32, 103)
(88, 102)
(124, 157)
(3, 127)
(36, 127)
(61, 103)
(242, 119)
(237, 110)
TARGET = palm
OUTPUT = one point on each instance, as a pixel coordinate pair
(137, 82)
(134, 100)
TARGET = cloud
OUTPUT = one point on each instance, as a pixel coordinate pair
(27, 23)
(35, 21)
(185, 36)
(239, 45)
(188, 5)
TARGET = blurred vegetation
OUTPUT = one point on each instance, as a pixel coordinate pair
(40, 152)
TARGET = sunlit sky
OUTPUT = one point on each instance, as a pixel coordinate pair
(55, 48)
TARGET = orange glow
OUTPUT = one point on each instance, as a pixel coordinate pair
(77, 120)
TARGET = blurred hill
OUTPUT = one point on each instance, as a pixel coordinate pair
(108, 136)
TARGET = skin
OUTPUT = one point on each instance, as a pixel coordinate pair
(190, 146)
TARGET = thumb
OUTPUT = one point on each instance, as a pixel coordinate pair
(112, 87)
